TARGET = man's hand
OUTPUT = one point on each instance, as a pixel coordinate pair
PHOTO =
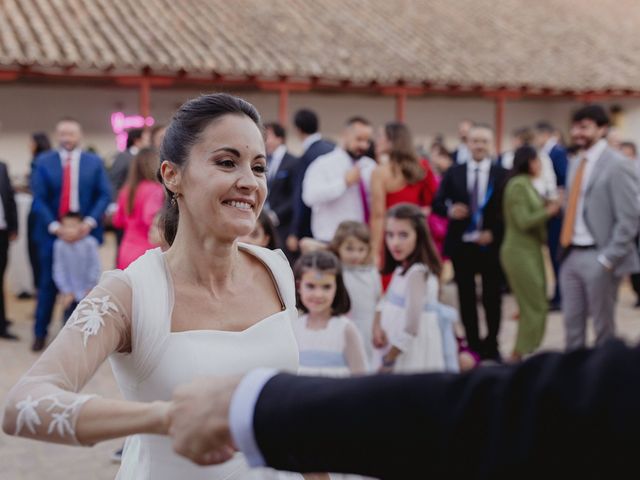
(552, 208)
(73, 234)
(67, 299)
(459, 211)
(84, 230)
(485, 238)
(292, 243)
(199, 420)
(67, 234)
(352, 176)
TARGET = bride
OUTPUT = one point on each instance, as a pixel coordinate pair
(207, 306)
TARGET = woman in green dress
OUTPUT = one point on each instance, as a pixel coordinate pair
(526, 215)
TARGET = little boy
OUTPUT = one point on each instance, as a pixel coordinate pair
(76, 265)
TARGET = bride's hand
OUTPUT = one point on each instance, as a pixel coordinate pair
(199, 420)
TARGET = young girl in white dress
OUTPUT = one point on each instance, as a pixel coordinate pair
(207, 306)
(329, 343)
(408, 333)
(352, 244)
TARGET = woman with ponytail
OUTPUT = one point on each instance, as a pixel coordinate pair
(208, 306)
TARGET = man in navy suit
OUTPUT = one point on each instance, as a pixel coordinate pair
(307, 126)
(280, 180)
(64, 180)
(547, 142)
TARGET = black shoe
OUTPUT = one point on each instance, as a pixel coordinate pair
(555, 307)
(8, 336)
(116, 457)
(38, 345)
(24, 296)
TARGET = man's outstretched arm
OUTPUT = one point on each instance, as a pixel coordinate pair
(577, 413)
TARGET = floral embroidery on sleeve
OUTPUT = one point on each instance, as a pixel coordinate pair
(28, 415)
(88, 316)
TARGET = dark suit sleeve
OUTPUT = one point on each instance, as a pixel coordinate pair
(39, 189)
(10, 208)
(440, 205)
(118, 174)
(573, 414)
(560, 164)
(298, 205)
(284, 208)
(103, 193)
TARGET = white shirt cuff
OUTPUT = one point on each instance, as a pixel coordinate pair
(90, 221)
(241, 412)
(53, 227)
(605, 262)
(111, 209)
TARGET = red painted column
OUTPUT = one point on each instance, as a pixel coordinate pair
(401, 106)
(283, 106)
(145, 97)
(499, 104)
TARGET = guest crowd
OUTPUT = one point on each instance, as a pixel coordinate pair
(368, 225)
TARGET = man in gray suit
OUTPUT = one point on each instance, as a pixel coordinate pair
(602, 218)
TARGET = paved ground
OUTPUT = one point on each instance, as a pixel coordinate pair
(29, 460)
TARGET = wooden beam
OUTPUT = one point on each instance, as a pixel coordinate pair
(278, 85)
(8, 76)
(185, 80)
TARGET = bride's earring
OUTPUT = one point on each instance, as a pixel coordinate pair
(174, 198)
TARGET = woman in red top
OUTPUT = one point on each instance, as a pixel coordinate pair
(403, 178)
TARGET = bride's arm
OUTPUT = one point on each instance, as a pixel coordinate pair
(46, 404)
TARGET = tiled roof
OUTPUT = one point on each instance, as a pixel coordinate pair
(558, 44)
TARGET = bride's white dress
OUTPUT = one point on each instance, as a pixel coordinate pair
(135, 307)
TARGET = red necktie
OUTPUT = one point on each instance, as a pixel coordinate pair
(65, 195)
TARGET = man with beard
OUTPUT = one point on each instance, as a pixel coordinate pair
(336, 186)
(601, 221)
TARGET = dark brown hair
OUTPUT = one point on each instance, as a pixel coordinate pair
(523, 157)
(184, 132)
(143, 167)
(403, 154)
(425, 251)
(349, 228)
(325, 262)
(269, 230)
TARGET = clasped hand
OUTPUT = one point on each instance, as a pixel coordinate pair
(198, 420)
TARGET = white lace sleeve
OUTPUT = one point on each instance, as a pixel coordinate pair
(45, 402)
